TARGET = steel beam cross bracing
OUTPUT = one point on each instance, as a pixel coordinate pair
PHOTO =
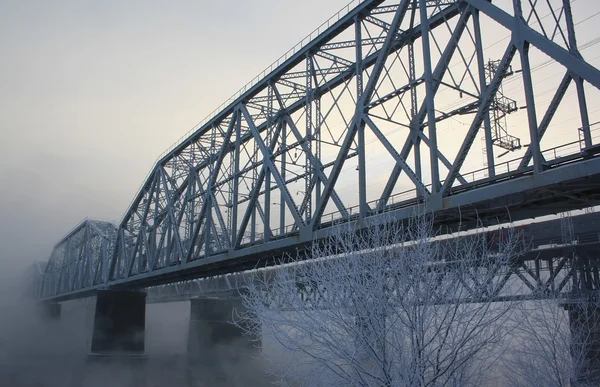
(377, 112)
(555, 258)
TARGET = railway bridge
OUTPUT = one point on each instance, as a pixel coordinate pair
(481, 111)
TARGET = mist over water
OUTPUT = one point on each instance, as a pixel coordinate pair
(35, 351)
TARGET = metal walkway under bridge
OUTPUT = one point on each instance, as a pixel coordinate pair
(480, 109)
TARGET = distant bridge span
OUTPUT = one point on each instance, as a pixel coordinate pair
(268, 172)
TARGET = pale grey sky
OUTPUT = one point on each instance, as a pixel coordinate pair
(92, 92)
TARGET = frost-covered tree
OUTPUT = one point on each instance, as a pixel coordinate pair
(387, 305)
(555, 342)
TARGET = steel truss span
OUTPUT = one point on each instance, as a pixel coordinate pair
(387, 107)
(79, 261)
(559, 271)
(558, 258)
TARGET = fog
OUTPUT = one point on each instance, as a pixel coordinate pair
(37, 351)
(91, 94)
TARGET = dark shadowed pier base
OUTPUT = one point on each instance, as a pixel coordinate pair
(50, 310)
(119, 323)
(211, 325)
(215, 342)
(585, 331)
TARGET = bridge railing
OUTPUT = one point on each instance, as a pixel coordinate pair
(571, 149)
(558, 153)
(231, 284)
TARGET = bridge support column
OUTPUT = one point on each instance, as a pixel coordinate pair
(50, 310)
(584, 319)
(211, 327)
(220, 346)
(119, 323)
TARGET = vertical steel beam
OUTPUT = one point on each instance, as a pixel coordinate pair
(151, 250)
(236, 182)
(429, 98)
(86, 254)
(523, 47)
(267, 221)
(104, 262)
(209, 225)
(310, 75)
(253, 208)
(583, 110)
(317, 136)
(414, 97)
(283, 176)
(362, 163)
(191, 203)
(360, 107)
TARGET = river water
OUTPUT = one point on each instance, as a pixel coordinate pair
(38, 353)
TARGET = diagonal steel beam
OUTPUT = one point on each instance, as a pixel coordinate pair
(360, 107)
(211, 183)
(575, 64)
(318, 166)
(443, 158)
(254, 194)
(269, 162)
(334, 58)
(405, 167)
(417, 121)
(486, 99)
(554, 104)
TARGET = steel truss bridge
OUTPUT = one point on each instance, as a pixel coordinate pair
(377, 112)
(560, 259)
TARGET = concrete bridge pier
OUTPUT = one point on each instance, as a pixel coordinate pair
(220, 346)
(584, 319)
(50, 310)
(119, 323)
(211, 329)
